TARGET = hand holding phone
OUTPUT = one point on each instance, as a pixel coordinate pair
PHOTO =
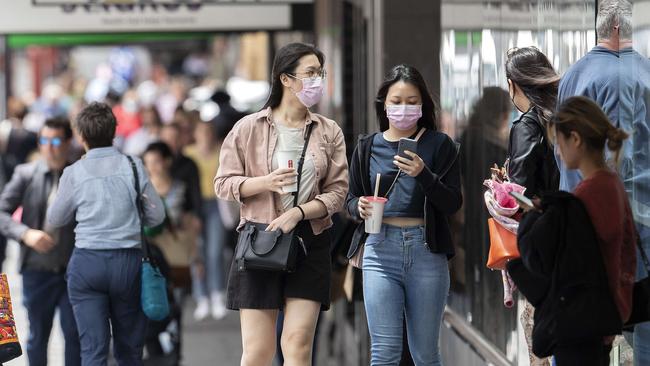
(407, 144)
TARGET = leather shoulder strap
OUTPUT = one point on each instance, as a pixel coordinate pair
(138, 203)
(301, 162)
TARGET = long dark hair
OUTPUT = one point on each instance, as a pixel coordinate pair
(285, 62)
(531, 70)
(411, 75)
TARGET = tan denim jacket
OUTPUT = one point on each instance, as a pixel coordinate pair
(248, 150)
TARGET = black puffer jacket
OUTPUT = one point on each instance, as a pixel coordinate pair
(531, 158)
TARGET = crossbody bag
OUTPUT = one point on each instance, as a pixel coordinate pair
(153, 293)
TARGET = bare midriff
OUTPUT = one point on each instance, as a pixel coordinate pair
(403, 221)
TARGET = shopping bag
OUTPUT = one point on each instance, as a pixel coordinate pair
(503, 245)
(9, 345)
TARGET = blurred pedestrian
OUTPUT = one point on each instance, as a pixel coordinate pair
(127, 114)
(46, 250)
(16, 145)
(209, 288)
(405, 270)
(532, 84)
(178, 237)
(16, 142)
(183, 168)
(228, 115)
(578, 252)
(149, 133)
(177, 240)
(104, 272)
(249, 172)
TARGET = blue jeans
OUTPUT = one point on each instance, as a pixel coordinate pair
(213, 237)
(43, 293)
(642, 331)
(104, 288)
(401, 276)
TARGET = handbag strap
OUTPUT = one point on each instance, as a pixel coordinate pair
(301, 162)
(146, 252)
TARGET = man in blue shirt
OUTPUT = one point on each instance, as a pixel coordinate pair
(618, 79)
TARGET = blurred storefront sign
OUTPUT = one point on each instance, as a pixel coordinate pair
(517, 16)
(78, 16)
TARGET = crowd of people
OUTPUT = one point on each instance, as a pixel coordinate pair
(578, 147)
(180, 157)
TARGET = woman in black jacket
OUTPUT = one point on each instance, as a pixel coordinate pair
(405, 265)
(532, 84)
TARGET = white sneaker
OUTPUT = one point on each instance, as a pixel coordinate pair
(219, 310)
(202, 309)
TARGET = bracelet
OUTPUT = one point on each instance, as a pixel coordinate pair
(302, 212)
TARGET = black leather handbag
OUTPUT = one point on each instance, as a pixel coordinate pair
(276, 251)
(640, 295)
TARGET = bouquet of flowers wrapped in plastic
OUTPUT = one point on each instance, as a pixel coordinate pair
(503, 225)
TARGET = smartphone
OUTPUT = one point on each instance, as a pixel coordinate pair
(524, 202)
(406, 144)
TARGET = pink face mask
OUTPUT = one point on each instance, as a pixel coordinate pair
(403, 116)
(312, 91)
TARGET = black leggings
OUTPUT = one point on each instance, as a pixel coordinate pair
(588, 353)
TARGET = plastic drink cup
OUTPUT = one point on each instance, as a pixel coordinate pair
(288, 159)
(373, 223)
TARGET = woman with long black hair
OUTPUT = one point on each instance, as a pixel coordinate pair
(249, 172)
(405, 271)
(532, 84)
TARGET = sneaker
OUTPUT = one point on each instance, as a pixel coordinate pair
(202, 309)
(219, 310)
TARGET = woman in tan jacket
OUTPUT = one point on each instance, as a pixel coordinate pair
(249, 173)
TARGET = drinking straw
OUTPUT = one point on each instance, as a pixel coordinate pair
(377, 185)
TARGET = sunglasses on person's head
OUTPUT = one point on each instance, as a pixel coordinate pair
(54, 141)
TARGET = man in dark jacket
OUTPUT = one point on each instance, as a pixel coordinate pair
(45, 251)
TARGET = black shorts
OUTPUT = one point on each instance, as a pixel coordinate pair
(255, 289)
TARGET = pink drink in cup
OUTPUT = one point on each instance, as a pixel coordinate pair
(373, 223)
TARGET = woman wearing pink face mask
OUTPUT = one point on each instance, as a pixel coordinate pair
(250, 172)
(405, 265)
